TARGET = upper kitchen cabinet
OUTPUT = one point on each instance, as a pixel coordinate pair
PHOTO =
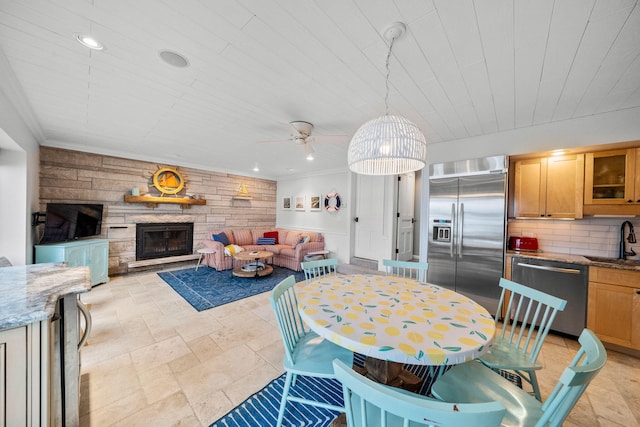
(549, 187)
(612, 182)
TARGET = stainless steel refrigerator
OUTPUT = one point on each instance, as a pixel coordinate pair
(467, 226)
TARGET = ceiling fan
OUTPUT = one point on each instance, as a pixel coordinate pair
(301, 135)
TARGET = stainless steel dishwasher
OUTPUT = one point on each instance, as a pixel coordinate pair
(565, 280)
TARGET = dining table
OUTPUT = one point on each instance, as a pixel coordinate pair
(396, 319)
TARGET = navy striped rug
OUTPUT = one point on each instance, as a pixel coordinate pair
(261, 409)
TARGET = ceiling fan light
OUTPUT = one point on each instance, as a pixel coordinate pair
(308, 151)
(387, 145)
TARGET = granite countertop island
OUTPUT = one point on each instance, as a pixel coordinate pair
(30, 292)
(633, 265)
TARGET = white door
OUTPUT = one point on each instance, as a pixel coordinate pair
(404, 230)
(369, 231)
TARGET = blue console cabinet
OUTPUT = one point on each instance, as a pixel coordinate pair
(91, 252)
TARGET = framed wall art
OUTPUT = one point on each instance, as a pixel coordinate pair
(299, 203)
(314, 203)
(286, 203)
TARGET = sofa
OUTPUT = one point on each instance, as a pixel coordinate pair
(288, 249)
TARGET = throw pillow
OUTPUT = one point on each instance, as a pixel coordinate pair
(292, 239)
(266, 241)
(302, 238)
(222, 238)
(273, 234)
(229, 250)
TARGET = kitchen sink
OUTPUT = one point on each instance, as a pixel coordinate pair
(613, 260)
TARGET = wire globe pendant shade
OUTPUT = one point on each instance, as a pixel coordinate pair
(387, 145)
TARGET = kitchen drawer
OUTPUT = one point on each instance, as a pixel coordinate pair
(614, 276)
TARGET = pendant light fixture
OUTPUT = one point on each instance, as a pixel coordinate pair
(388, 145)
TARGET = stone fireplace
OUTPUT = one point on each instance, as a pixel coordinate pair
(160, 240)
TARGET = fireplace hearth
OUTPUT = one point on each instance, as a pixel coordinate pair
(160, 240)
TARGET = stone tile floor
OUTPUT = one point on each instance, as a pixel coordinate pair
(152, 359)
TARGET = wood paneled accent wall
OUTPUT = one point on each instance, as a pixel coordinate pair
(76, 177)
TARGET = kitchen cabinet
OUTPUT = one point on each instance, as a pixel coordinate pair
(21, 364)
(613, 311)
(39, 344)
(549, 187)
(91, 252)
(612, 182)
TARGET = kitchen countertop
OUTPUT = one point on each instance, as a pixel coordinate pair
(30, 292)
(576, 259)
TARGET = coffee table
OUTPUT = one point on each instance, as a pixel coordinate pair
(250, 258)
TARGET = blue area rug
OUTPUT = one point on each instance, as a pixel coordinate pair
(208, 288)
(261, 409)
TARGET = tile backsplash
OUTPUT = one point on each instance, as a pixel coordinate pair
(591, 236)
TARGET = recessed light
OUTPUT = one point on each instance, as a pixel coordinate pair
(90, 42)
(173, 58)
(558, 152)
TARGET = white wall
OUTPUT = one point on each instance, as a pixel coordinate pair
(334, 226)
(13, 196)
(19, 173)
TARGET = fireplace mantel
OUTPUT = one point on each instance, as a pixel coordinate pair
(153, 201)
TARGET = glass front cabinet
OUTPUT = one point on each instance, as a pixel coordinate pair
(612, 182)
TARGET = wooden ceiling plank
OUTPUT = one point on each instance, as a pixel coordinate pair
(598, 39)
(532, 23)
(569, 21)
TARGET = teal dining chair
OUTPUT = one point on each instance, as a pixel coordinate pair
(527, 316)
(371, 404)
(471, 382)
(415, 270)
(319, 268)
(305, 352)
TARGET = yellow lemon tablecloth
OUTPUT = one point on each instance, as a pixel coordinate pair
(396, 319)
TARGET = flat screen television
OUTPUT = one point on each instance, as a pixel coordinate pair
(71, 221)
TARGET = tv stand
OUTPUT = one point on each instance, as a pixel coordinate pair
(91, 252)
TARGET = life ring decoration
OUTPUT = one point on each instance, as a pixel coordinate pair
(168, 181)
(332, 202)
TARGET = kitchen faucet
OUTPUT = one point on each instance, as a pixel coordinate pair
(631, 239)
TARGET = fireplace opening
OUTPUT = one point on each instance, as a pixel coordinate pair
(160, 240)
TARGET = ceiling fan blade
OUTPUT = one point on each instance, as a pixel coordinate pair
(268, 141)
(336, 139)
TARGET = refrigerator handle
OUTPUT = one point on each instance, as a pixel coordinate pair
(453, 227)
(460, 225)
